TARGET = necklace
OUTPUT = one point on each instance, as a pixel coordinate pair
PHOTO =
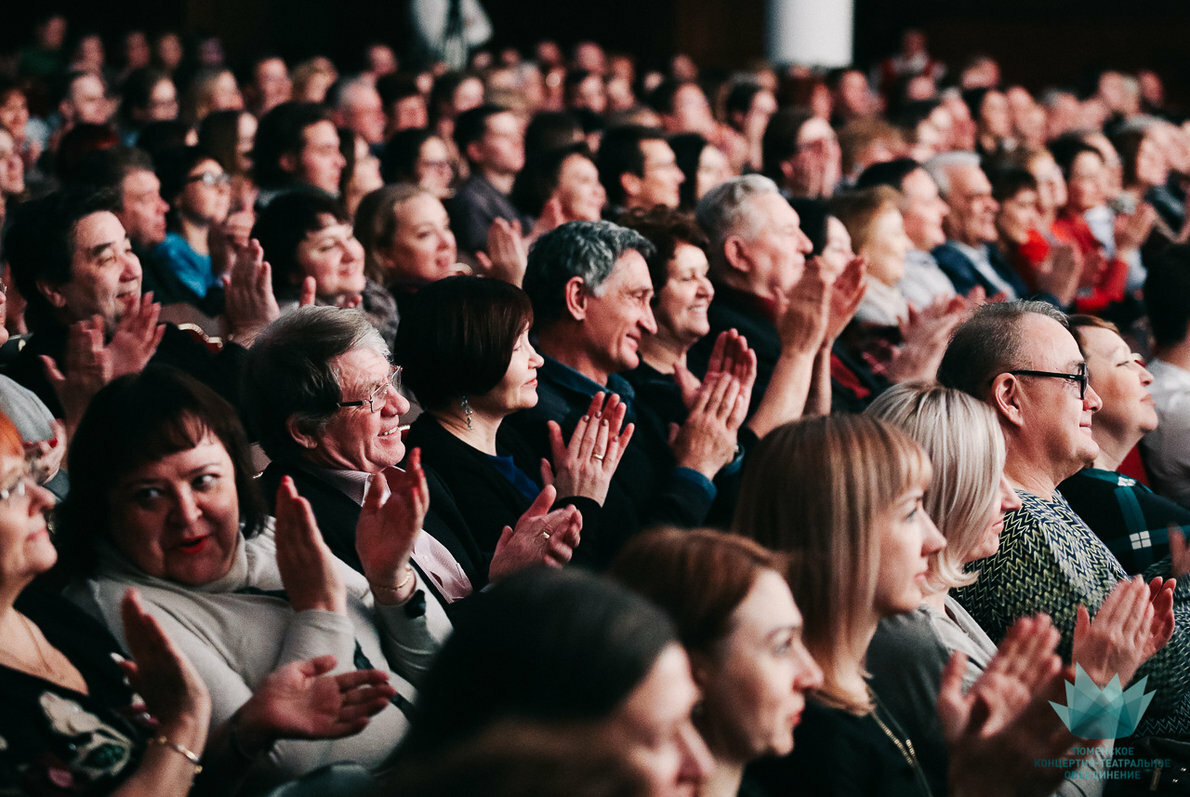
(904, 746)
(45, 667)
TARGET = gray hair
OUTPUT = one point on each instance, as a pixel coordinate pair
(966, 448)
(941, 165)
(725, 211)
(585, 249)
(988, 344)
(289, 373)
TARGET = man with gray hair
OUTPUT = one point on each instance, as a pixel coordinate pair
(970, 257)
(592, 303)
(764, 289)
(1021, 359)
(358, 108)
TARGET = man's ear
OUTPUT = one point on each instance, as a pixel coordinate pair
(289, 162)
(52, 293)
(735, 251)
(1006, 399)
(574, 293)
(787, 170)
(474, 153)
(631, 183)
(296, 429)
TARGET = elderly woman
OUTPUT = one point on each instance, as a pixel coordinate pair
(743, 634)
(325, 403)
(967, 498)
(309, 237)
(519, 655)
(165, 502)
(467, 357)
(1131, 520)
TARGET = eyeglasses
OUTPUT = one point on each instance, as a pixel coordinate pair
(210, 179)
(16, 487)
(379, 397)
(1079, 377)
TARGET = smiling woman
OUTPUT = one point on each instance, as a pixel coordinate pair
(167, 503)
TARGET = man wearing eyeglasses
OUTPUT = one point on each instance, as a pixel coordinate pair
(1021, 359)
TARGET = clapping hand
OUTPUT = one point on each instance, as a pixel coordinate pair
(388, 528)
(309, 570)
(540, 537)
(585, 466)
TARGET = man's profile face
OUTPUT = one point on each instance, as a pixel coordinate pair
(143, 210)
(775, 252)
(661, 178)
(88, 102)
(972, 218)
(321, 163)
(105, 277)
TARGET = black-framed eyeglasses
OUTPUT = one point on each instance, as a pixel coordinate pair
(379, 397)
(1079, 377)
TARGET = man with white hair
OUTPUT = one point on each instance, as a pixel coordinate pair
(359, 109)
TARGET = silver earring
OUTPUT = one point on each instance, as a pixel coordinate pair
(466, 405)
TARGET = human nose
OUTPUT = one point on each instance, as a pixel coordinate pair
(185, 508)
(40, 498)
(648, 322)
(804, 244)
(1091, 400)
(932, 539)
(132, 268)
(696, 758)
(535, 358)
(809, 674)
(1146, 378)
(394, 402)
(1009, 500)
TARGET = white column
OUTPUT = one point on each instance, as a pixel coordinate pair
(810, 32)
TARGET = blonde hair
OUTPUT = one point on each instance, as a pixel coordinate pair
(814, 489)
(859, 210)
(966, 447)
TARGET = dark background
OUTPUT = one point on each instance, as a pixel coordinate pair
(1038, 43)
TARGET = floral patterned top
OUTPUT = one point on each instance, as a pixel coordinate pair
(54, 740)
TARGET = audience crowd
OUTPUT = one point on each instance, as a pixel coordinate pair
(557, 427)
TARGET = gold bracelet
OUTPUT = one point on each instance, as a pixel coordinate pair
(185, 751)
(406, 579)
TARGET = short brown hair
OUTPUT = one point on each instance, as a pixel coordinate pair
(858, 210)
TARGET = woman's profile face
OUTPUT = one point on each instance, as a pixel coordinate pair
(755, 684)
(579, 190)
(423, 247)
(178, 517)
(433, 168)
(887, 247)
(334, 258)
(25, 547)
(713, 169)
(836, 254)
(518, 389)
(907, 540)
(206, 197)
(654, 728)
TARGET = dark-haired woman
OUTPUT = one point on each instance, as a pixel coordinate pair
(466, 355)
(166, 503)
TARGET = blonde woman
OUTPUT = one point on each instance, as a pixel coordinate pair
(842, 495)
(967, 498)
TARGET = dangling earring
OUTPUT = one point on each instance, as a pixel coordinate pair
(467, 411)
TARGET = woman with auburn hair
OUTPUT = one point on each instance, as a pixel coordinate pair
(842, 495)
(967, 498)
(736, 617)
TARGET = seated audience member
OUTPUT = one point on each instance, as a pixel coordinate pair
(357, 107)
(923, 211)
(621, 674)
(1166, 449)
(73, 264)
(969, 257)
(967, 498)
(12, 172)
(638, 169)
(213, 88)
(146, 95)
(558, 186)
(325, 401)
(893, 340)
(801, 154)
(842, 496)
(743, 635)
(1132, 521)
(417, 156)
(165, 502)
(309, 236)
(59, 664)
(296, 147)
(765, 291)
(491, 139)
(1104, 276)
(591, 293)
(403, 104)
(269, 85)
(407, 239)
(703, 166)
(465, 353)
(199, 194)
(748, 107)
(864, 142)
(1020, 358)
(361, 170)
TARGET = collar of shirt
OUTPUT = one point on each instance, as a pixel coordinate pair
(567, 378)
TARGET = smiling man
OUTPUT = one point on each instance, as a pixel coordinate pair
(72, 260)
(1021, 359)
(592, 301)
